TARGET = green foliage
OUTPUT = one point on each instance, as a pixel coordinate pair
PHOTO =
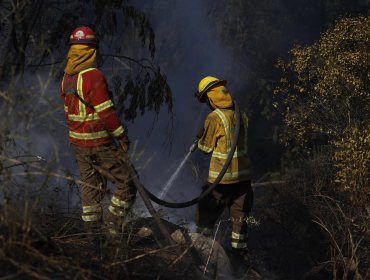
(325, 92)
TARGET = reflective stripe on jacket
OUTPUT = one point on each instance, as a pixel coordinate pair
(89, 126)
(217, 139)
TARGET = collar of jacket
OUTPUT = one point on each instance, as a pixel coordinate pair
(80, 57)
(220, 98)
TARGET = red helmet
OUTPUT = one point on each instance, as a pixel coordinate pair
(83, 35)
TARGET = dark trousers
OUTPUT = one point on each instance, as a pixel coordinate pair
(238, 198)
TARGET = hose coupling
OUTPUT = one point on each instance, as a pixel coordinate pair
(194, 146)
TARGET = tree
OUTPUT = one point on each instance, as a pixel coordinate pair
(256, 33)
(34, 36)
(325, 101)
(325, 92)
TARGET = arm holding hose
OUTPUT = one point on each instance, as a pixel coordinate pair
(208, 135)
(189, 203)
(215, 183)
(194, 146)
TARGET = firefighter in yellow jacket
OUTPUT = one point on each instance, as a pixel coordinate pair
(234, 191)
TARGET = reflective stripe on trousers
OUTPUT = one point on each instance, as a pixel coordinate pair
(91, 213)
(118, 207)
(238, 241)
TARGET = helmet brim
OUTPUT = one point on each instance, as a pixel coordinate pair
(202, 95)
(83, 42)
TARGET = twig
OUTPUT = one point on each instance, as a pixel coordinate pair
(13, 276)
(268, 183)
(180, 256)
(130, 59)
(213, 243)
(71, 235)
(19, 164)
(316, 269)
(151, 252)
(27, 270)
(322, 225)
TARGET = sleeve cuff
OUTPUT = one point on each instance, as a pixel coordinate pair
(118, 132)
(204, 148)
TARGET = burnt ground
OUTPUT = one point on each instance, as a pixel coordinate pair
(285, 245)
(42, 252)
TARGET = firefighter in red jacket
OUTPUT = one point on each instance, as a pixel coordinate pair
(93, 126)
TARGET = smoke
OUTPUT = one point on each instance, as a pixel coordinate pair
(187, 50)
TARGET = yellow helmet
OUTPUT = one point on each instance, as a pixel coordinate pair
(205, 84)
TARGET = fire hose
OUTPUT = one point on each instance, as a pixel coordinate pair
(145, 193)
(218, 179)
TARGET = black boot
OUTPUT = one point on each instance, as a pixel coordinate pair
(94, 234)
(240, 260)
(242, 254)
(114, 227)
(205, 231)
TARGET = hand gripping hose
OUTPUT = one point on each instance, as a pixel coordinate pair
(218, 179)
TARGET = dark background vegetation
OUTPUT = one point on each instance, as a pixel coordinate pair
(299, 68)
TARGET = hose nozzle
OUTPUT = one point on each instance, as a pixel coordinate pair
(194, 146)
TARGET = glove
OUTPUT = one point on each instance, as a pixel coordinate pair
(124, 144)
(200, 133)
(194, 146)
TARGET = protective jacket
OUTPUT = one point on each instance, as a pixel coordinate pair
(89, 125)
(218, 137)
